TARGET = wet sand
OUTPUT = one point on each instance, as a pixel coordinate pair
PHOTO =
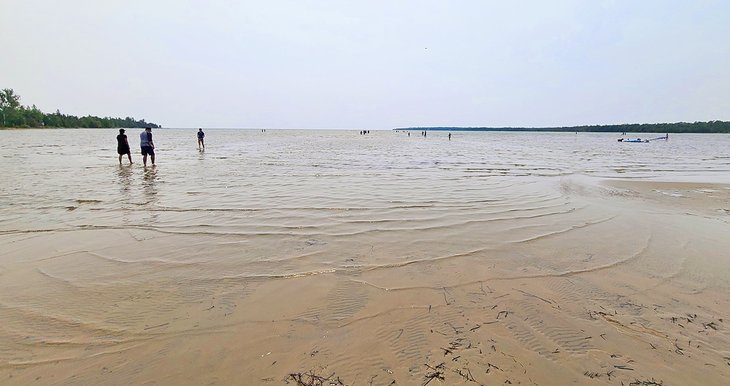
(547, 280)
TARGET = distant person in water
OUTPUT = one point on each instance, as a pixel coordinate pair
(123, 146)
(148, 147)
(449, 136)
(201, 135)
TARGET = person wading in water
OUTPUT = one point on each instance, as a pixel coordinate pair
(148, 147)
(201, 135)
(123, 146)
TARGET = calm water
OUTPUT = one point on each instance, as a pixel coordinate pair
(58, 179)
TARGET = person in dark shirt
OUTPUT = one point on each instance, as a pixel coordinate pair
(148, 147)
(123, 146)
(201, 135)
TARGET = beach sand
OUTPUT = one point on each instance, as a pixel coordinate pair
(628, 286)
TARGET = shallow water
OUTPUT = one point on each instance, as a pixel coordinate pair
(283, 238)
(284, 184)
(315, 183)
(58, 171)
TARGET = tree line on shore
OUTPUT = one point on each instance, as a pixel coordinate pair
(679, 127)
(13, 114)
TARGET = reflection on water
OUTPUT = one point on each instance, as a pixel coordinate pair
(149, 178)
(124, 174)
(124, 178)
(149, 189)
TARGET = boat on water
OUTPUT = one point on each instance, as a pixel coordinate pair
(639, 140)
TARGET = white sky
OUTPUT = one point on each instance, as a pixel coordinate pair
(371, 64)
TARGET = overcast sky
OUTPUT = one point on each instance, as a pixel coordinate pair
(371, 64)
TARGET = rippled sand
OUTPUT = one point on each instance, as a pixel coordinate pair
(546, 259)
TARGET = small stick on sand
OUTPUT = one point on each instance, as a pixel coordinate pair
(678, 349)
(534, 296)
(312, 379)
(159, 325)
(445, 299)
(465, 374)
(437, 373)
(456, 330)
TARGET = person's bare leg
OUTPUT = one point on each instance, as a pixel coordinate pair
(144, 159)
(152, 157)
(120, 159)
(129, 155)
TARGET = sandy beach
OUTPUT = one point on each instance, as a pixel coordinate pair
(367, 260)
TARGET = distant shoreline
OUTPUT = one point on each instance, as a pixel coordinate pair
(15, 115)
(709, 127)
(71, 128)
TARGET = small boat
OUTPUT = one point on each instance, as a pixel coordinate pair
(639, 140)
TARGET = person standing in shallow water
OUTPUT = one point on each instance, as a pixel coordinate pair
(201, 135)
(123, 146)
(148, 147)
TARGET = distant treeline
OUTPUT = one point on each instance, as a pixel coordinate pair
(679, 127)
(13, 114)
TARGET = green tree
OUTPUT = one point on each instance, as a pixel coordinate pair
(13, 114)
(9, 103)
(9, 99)
(33, 117)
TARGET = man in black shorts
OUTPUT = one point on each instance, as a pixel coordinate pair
(148, 147)
(201, 135)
